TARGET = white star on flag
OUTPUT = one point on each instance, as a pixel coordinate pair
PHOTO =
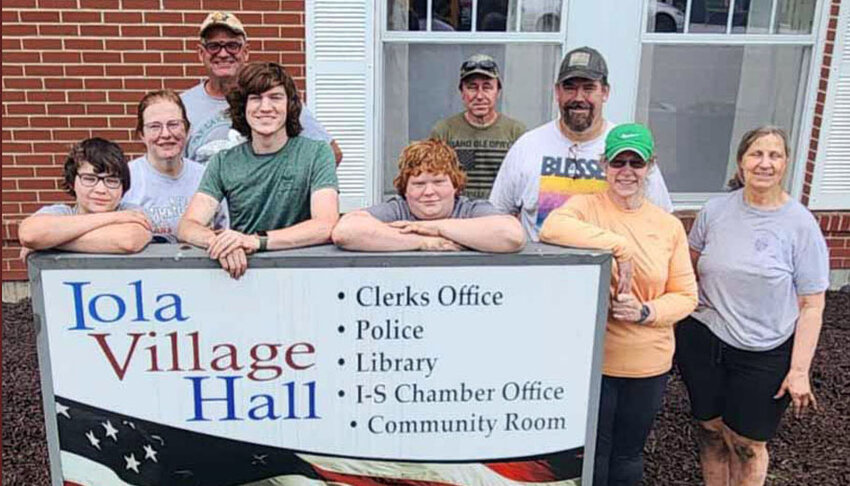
(95, 442)
(150, 453)
(62, 410)
(110, 430)
(132, 463)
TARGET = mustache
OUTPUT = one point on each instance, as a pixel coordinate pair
(578, 105)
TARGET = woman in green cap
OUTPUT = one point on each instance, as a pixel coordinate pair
(652, 287)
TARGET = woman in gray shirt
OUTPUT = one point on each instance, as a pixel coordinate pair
(745, 353)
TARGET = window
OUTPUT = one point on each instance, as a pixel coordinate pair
(488, 15)
(424, 42)
(725, 68)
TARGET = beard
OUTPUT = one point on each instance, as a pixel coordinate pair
(577, 122)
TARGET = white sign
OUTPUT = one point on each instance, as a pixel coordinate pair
(414, 363)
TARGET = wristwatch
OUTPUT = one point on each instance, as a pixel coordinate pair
(644, 313)
(264, 240)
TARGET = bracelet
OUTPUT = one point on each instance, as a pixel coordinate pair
(264, 242)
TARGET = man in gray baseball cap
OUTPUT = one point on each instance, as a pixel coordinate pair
(480, 135)
(552, 162)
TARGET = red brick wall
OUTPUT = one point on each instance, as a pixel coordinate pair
(76, 68)
(835, 225)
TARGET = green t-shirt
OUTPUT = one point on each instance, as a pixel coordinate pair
(479, 150)
(269, 191)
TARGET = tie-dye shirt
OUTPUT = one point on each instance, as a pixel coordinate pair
(544, 168)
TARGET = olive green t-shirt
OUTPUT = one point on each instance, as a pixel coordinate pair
(269, 191)
(479, 150)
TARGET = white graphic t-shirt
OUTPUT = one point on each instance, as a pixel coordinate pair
(544, 168)
(165, 198)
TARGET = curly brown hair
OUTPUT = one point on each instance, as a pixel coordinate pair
(151, 98)
(256, 78)
(106, 157)
(430, 155)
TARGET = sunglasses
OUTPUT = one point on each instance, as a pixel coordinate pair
(485, 64)
(633, 163)
(231, 47)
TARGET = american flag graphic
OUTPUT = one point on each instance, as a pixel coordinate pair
(481, 166)
(103, 448)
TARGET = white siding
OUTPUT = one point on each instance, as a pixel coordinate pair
(831, 185)
(340, 84)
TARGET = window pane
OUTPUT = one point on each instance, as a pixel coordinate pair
(708, 16)
(421, 87)
(496, 16)
(492, 15)
(666, 16)
(795, 16)
(448, 15)
(406, 14)
(541, 15)
(752, 17)
(700, 100)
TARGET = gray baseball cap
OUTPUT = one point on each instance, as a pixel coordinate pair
(584, 62)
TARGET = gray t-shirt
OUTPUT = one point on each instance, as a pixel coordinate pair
(65, 210)
(165, 198)
(397, 209)
(210, 129)
(753, 264)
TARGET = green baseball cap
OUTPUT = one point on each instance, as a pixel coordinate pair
(629, 136)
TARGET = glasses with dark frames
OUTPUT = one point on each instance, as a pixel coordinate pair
(232, 47)
(91, 180)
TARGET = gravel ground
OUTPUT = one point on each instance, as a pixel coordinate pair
(814, 450)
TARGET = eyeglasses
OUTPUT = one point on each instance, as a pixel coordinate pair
(91, 180)
(633, 163)
(485, 64)
(231, 47)
(174, 126)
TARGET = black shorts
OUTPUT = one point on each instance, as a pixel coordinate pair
(731, 383)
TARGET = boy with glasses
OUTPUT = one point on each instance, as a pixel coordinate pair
(224, 49)
(96, 175)
(480, 135)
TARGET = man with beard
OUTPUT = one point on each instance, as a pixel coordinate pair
(480, 135)
(549, 164)
(224, 50)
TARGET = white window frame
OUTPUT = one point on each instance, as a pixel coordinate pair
(806, 102)
(447, 38)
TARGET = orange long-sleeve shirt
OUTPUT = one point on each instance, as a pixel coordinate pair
(656, 243)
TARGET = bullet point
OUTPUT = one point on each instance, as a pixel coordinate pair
(353, 424)
(341, 295)
(341, 393)
(341, 361)
(341, 329)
